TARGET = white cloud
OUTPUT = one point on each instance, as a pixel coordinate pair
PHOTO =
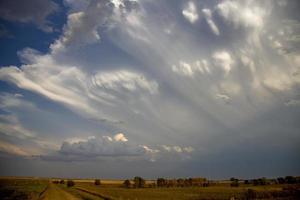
(292, 102)
(163, 80)
(280, 81)
(188, 149)
(224, 98)
(224, 60)
(102, 146)
(12, 149)
(82, 26)
(190, 12)
(208, 16)
(71, 86)
(177, 149)
(123, 79)
(120, 137)
(175, 152)
(184, 68)
(117, 146)
(189, 69)
(241, 14)
(230, 87)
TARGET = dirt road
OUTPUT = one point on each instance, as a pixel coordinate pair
(53, 192)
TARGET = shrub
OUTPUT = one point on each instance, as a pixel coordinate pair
(180, 182)
(281, 180)
(70, 183)
(62, 181)
(290, 180)
(161, 182)
(127, 183)
(139, 182)
(234, 183)
(97, 182)
(206, 184)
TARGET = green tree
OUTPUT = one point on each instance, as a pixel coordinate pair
(290, 180)
(97, 182)
(180, 182)
(281, 180)
(70, 183)
(139, 182)
(127, 183)
(161, 182)
(234, 182)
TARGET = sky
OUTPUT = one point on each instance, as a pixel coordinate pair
(169, 88)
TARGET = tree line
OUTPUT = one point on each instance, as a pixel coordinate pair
(264, 181)
(139, 182)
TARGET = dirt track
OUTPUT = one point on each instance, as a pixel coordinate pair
(53, 192)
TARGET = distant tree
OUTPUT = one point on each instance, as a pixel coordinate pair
(70, 183)
(62, 181)
(180, 182)
(281, 180)
(255, 182)
(246, 182)
(263, 181)
(139, 182)
(161, 182)
(232, 179)
(97, 182)
(290, 180)
(172, 183)
(127, 183)
(234, 182)
(197, 181)
(188, 182)
(260, 181)
(206, 184)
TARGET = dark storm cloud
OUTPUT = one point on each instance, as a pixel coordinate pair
(29, 11)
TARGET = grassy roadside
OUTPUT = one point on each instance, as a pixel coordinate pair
(22, 188)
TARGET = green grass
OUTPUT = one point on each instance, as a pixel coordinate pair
(167, 193)
(186, 193)
(21, 188)
(26, 189)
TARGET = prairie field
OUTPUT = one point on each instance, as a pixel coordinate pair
(46, 189)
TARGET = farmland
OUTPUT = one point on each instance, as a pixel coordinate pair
(46, 189)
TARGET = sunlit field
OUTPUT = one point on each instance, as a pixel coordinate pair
(34, 188)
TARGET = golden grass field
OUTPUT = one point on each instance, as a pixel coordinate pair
(45, 189)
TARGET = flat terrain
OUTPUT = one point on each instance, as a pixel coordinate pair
(22, 188)
(57, 193)
(44, 189)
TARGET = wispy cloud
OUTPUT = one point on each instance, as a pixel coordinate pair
(173, 77)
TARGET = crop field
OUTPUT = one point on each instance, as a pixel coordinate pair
(46, 189)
